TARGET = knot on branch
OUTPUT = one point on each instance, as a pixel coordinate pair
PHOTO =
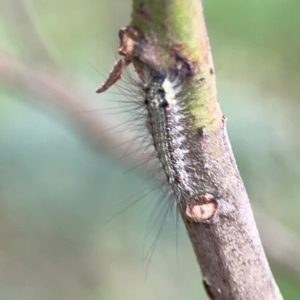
(202, 208)
(145, 49)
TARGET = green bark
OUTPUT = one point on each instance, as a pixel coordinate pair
(179, 25)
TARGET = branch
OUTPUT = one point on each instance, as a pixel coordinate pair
(218, 219)
(56, 91)
(59, 91)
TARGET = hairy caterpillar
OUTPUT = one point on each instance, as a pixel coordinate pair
(161, 99)
(165, 124)
(167, 117)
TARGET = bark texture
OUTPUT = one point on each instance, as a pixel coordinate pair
(219, 221)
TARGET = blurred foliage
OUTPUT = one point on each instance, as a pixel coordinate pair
(56, 191)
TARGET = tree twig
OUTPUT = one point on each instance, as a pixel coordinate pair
(219, 219)
(57, 91)
(61, 92)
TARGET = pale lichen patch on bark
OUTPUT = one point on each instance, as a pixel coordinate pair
(201, 208)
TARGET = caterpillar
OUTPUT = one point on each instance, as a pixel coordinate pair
(162, 99)
(168, 119)
(165, 124)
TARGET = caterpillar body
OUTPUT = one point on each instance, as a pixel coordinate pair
(161, 99)
(165, 124)
(167, 116)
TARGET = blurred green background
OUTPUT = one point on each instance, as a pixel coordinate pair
(58, 187)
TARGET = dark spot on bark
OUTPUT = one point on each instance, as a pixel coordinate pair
(144, 13)
(202, 79)
(201, 131)
(208, 290)
(211, 71)
(184, 65)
